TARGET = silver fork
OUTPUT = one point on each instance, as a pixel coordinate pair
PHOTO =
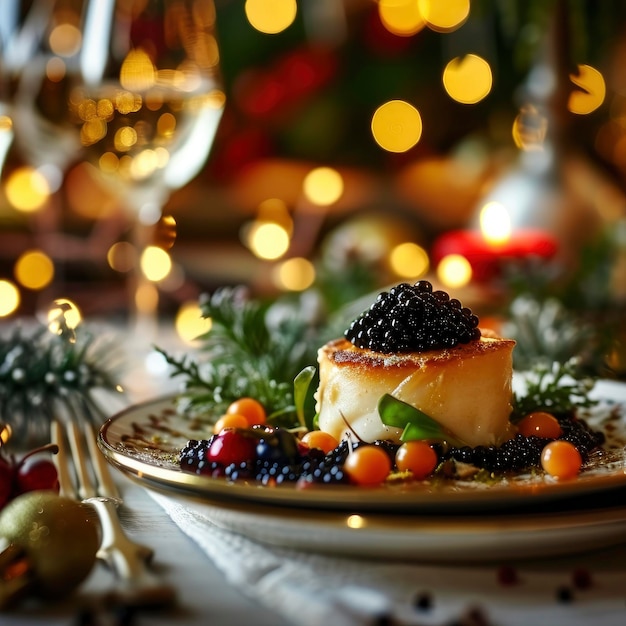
(84, 475)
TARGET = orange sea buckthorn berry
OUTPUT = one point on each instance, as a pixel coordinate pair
(418, 457)
(368, 465)
(230, 420)
(561, 459)
(321, 440)
(250, 408)
(540, 424)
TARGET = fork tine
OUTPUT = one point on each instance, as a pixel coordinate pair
(86, 487)
(60, 460)
(106, 486)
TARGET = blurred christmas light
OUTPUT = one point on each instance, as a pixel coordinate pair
(268, 240)
(323, 186)
(9, 298)
(62, 314)
(55, 70)
(495, 223)
(592, 90)
(444, 17)
(121, 257)
(275, 210)
(34, 269)
(529, 129)
(189, 322)
(454, 271)
(155, 263)
(296, 274)
(271, 16)
(65, 39)
(26, 189)
(401, 17)
(396, 126)
(137, 72)
(146, 298)
(408, 260)
(467, 79)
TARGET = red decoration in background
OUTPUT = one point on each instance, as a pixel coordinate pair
(269, 93)
(486, 258)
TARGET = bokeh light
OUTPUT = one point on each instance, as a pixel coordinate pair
(454, 271)
(408, 260)
(401, 17)
(467, 79)
(65, 39)
(296, 274)
(271, 16)
(323, 186)
(189, 322)
(268, 240)
(122, 256)
(591, 93)
(396, 126)
(155, 263)
(444, 16)
(63, 313)
(146, 298)
(34, 269)
(530, 128)
(495, 223)
(9, 298)
(27, 190)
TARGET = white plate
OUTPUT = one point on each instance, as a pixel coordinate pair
(428, 538)
(144, 440)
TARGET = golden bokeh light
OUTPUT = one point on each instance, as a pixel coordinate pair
(155, 263)
(296, 274)
(137, 72)
(65, 39)
(34, 270)
(530, 128)
(62, 314)
(454, 271)
(323, 186)
(467, 79)
(190, 324)
(55, 69)
(6, 124)
(591, 93)
(408, 260)
(27, 190)
(146, 298)
(495, 223)
(268, 240)
(121, 257)
(275, 210)
(9, 298)
(444, 16)
(401, 17)
(396, 126)
(271, 16)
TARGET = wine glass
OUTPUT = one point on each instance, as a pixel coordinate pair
(147, 100)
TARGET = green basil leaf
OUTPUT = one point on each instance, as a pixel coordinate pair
(301, 385)
(416, 424)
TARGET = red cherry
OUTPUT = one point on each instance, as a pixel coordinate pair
(37, 474)
(232, 446)
(6, 482)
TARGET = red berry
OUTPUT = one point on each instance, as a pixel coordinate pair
(37, 474)
(232, 446)
(6, 482)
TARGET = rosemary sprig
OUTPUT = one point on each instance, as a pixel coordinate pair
(253, 348)
(555, 387)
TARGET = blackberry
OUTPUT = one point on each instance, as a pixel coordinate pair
(413, 318)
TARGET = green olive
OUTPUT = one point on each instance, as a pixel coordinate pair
(60, 537)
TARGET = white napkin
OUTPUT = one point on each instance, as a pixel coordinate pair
(314, 589)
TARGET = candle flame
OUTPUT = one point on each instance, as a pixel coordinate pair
(495, 223)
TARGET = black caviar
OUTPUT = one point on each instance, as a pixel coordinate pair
(413, 318)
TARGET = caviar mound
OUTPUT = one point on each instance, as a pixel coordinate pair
(413, 318)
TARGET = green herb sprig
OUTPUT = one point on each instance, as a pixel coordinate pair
(253, 348)
(554, 387)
